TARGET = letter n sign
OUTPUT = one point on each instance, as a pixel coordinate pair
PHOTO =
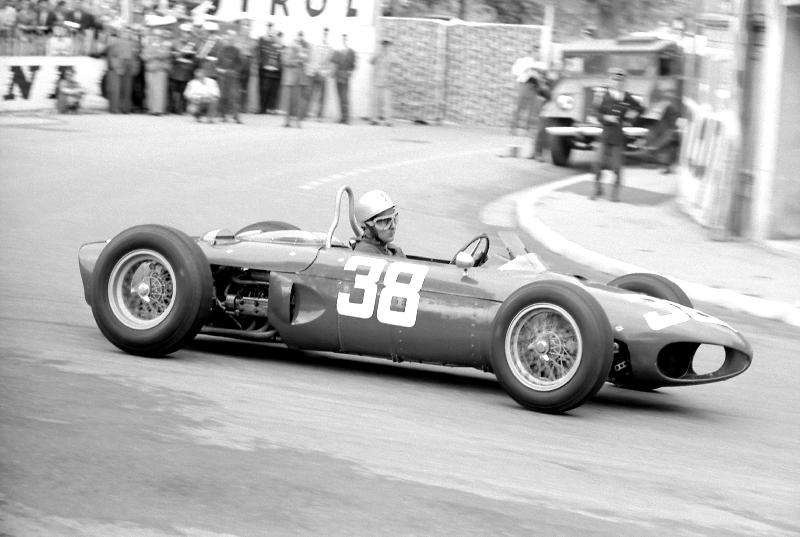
(18, 79)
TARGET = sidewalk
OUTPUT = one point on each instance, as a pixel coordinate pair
(647, 232)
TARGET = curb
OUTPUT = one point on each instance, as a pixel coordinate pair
(726, 298)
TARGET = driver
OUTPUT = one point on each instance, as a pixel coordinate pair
(377, 216)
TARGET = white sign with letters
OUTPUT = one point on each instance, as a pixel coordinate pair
(29, 82)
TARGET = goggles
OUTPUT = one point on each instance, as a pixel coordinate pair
(385, 222)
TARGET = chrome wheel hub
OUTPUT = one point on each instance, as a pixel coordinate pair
(141, 289)
(543, 347)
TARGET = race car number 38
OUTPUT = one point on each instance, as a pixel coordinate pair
(395, 302)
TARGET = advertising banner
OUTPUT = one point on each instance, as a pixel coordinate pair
(29, 82)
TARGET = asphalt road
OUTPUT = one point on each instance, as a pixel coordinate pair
(240, 439)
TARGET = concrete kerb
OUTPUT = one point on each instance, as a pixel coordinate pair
(525, 208)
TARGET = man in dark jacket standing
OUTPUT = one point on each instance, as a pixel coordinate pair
(614, 107)
(344, 63)
(268, 55)
(229, 67)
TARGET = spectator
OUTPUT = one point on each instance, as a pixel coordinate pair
(157, 58)
(529, 75)
(58, 15)
(123, 65)
(293, 80)
(269, 71)
(60, 43)
(319, 70)
(665, 139)
(382, 65)
(26, 18)
(229, 66)
(344, 63)
(43, 17)
(615, 107)
(202, 96)
(245, 46)
(69, 94)
(539, 135)
(81, 16)
(8, 19)
(181, 70)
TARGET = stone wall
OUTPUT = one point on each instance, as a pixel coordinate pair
(456, 72)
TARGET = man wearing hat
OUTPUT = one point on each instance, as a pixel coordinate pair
(613, 105)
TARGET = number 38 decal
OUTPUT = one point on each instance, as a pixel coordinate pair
(676, 314)
(406, 291)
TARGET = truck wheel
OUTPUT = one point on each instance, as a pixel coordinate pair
(560, 148)
(552, 346)
(152, 290)
(652, 285)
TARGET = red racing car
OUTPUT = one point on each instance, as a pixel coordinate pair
(551, 339)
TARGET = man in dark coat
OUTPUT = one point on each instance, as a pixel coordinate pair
(344, 63)
(229, 67)
(268, 54)
(614, 107)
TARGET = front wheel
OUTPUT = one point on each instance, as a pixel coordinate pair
(152, 290)
(552, 346)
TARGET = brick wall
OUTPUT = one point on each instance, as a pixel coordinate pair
(456, 72)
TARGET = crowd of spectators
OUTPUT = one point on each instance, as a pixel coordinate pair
(150, 64)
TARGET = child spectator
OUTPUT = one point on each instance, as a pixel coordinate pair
(202, 94)
(69, 93)
(59, 44)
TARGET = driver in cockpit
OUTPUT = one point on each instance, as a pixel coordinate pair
(377, 216)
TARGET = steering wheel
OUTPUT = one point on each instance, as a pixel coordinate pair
(478, 248)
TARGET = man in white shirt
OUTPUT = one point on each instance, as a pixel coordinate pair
(202, 96)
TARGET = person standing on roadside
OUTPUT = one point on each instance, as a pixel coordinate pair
(319, 70)
(529, 74)
(157, 58)
(121, 54)
(382, 67)
(344, 63)
(268, 54)
(294, 79)
(665, 137)
(613, 106)
(229, 66)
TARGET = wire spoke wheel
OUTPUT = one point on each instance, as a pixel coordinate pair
(543, 347)
(142, 289)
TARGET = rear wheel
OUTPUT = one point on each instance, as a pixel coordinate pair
(152, 290)
(560, 148)
(552, 346)
(652, 285)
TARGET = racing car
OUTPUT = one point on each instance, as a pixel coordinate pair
(552, 340)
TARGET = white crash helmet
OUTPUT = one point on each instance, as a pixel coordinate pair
(372, 203)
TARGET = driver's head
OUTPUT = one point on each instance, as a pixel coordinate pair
(376, 213)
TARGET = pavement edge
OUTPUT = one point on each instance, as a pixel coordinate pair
(553, 241)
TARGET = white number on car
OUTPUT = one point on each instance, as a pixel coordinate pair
(675, 315)
(406, 292)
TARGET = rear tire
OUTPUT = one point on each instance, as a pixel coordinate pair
(652, 285)
(552, 346)
(152, 290)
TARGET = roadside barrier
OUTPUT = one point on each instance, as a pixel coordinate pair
(708, 155)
